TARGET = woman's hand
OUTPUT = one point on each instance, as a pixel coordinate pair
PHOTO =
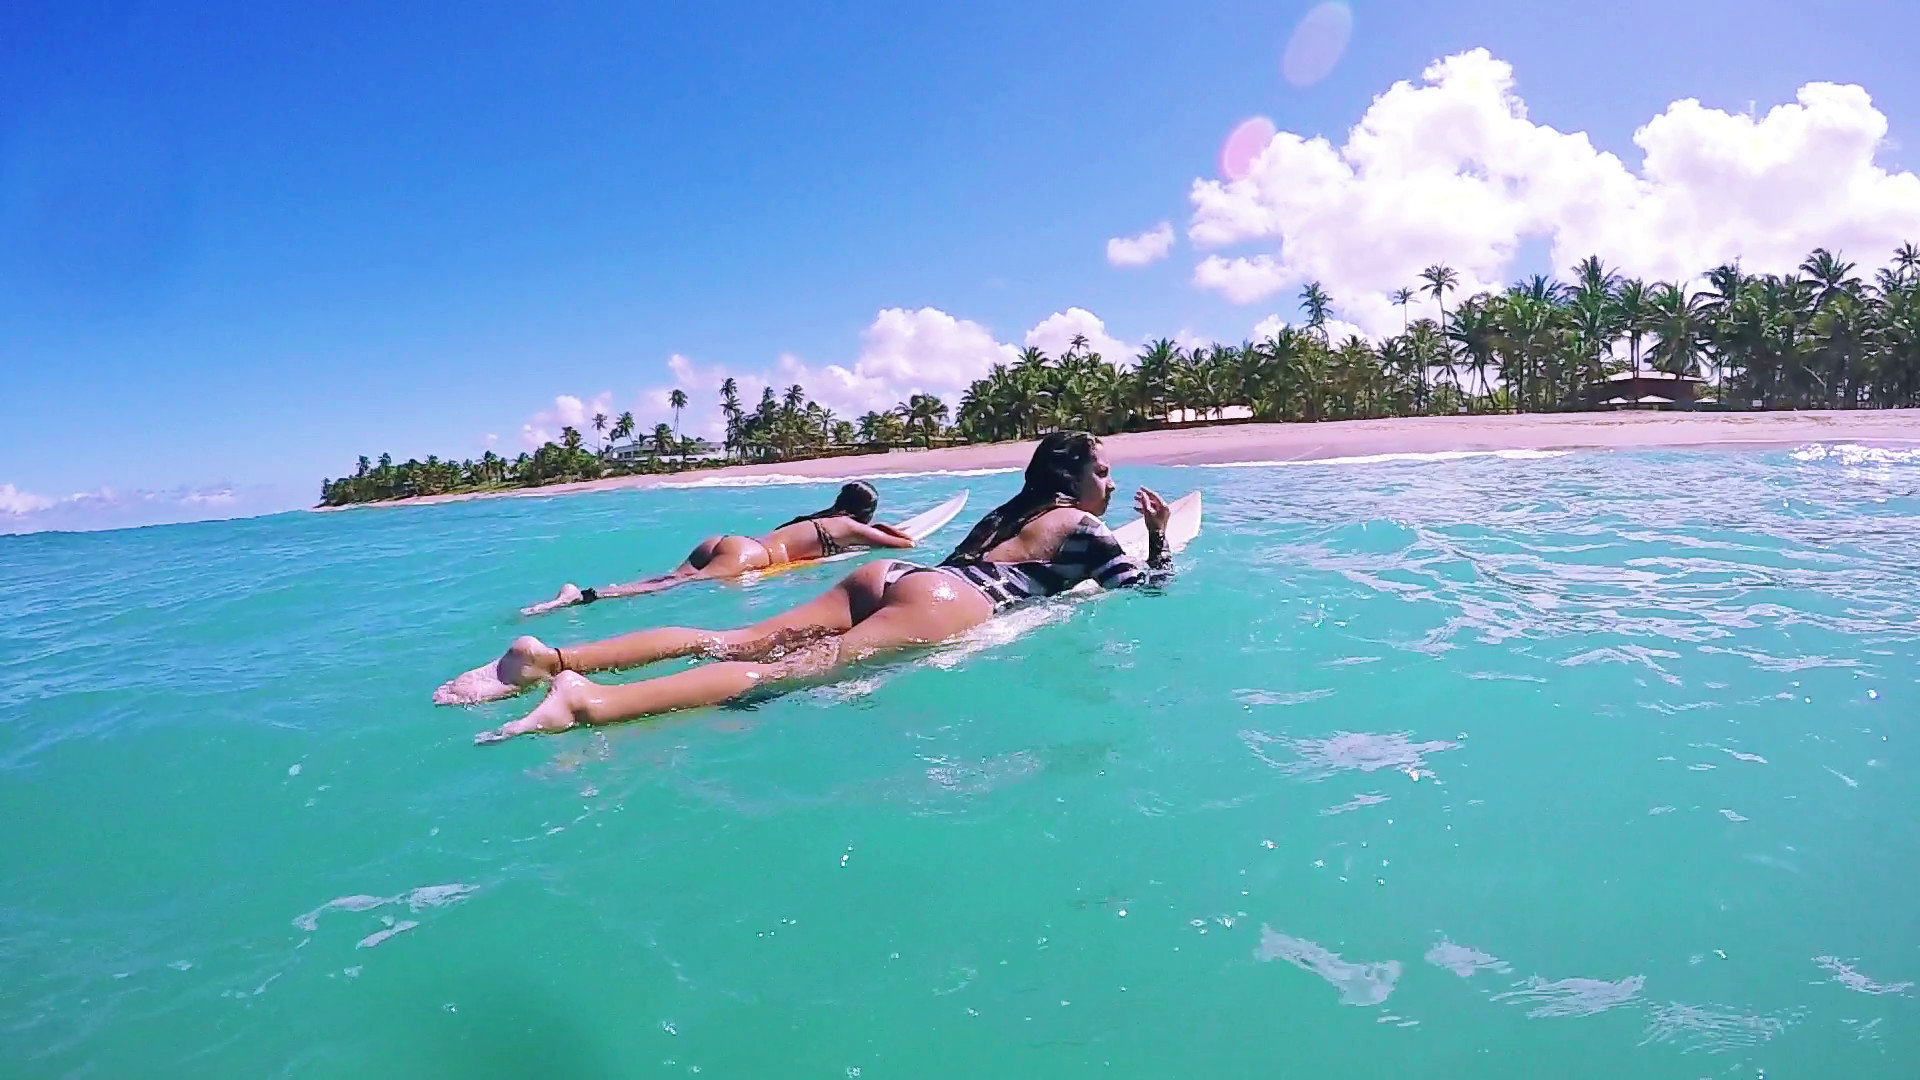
(892, 531)
(1153, 508)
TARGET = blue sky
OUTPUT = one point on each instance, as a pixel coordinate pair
(240, 246)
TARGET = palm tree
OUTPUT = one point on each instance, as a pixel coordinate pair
(1819, 337)
(928, 412)
(677, 400)
(1592, 329)
(1906, 258)
(1592, 276)
(1317, 302)
(1632, 311)
(600, 431)
(730, 412)
(1440, 281)
(1153, 377)
(1678, 322)
(1402, 297)
(1476, 327)
(1833, 276)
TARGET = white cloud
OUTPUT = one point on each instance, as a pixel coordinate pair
(1186, 339)
(566, 411)
(928, 349)
(15, 502)
(1453, 171)
(1338, 330)
(109, 508)
(902, 352)
(1241, 280)
(1149, 246)
(1053, 334)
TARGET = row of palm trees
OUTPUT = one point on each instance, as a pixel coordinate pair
(783, 427)
(554, 462)
(789, 425)
(1822, 337)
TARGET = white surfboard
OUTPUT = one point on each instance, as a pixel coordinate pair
(1183, 524)
(919, 526)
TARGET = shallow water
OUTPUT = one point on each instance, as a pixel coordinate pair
(1472, 767)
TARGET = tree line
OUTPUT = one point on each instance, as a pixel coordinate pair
(1821, 337)
(783, 427)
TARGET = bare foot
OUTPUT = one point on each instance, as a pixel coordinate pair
(569, 595)
(525, 662)
(564, 707)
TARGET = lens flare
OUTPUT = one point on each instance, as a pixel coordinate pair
(1317, 44)
(1244, 146)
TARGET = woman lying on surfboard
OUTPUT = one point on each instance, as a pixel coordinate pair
(845, 525)
(1044, 540)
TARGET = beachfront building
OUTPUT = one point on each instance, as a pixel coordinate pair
(1207, 416)
(1648, 390)
(632, 453)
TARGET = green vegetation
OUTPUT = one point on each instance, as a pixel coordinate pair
(1823, 337)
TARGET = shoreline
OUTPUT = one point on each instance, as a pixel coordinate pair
(1249, 444)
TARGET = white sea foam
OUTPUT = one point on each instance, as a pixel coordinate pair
(1358, 802)
(1359, 983)
(393, 930)
(1318, 759)
(789, 479)
(1464, 960)
(998, 631)
(1853, 454)
(425, 896)
(1377, 459)
(1846, 976)
(1573, 997)
(1711, 1029)
(1276, 697)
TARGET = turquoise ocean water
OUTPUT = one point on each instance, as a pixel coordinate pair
(1591, 765)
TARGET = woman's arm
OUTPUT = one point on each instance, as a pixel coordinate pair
(1154, 510)
(881, 536)
(1094, 548)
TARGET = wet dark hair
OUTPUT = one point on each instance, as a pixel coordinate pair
(858, 500)
(1052, 481)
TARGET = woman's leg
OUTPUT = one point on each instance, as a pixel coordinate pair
(920, 609)
(528, 659)
(719, 559)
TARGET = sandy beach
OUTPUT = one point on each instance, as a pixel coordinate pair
(1331, 440)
